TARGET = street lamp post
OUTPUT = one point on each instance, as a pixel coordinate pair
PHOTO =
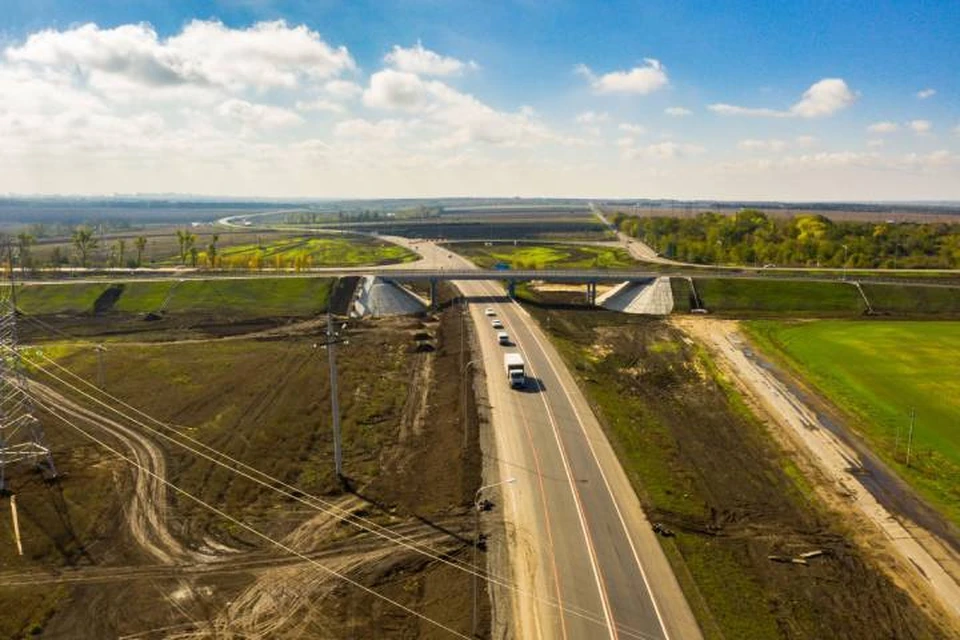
(844, 262)
(476, 545)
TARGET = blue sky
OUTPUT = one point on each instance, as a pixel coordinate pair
(514, 118)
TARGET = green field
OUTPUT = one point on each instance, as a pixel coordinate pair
(779, 297)
(546, 256)
(332, 251)
(238, 297)
(878, 372)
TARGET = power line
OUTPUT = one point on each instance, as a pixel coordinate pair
(330, 509)
(310, 500)
(257, 532)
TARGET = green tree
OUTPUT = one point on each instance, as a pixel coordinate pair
(212, 251)
(140, 243)
(119, 249)
(84, 242)
(185, 241)
(25, 240)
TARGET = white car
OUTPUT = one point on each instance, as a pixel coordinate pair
(489, 311)
(497, 324)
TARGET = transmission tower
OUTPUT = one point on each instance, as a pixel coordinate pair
(21, 435)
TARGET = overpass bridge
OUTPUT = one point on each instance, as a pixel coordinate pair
(588, 277)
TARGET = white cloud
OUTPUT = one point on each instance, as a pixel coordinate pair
(463, 118)
(805, 141)
(421, 61)
(390, 89)
(343, 89)
(920, 127)
(875, 143)
(319, 104)
(359, 128)
(642, 80)
(663, 151)
(883, 127)
(677, 112)
(636, 129)
(823, 98)
(263, 56)
(258, 115)
(762, 145)
(592, 117)
(923, 94)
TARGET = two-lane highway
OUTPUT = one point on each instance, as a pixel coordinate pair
(577, 527)
(583, 557)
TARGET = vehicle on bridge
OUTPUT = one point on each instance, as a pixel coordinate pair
(516, 376)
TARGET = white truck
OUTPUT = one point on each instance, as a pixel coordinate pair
(513, 363)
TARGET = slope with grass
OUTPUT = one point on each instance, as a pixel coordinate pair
(878, 372)
(262, 297)
(779, 297)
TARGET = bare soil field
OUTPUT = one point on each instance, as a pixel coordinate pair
(709, 472)
(111, 550)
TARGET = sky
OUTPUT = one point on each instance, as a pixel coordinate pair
(825, 100)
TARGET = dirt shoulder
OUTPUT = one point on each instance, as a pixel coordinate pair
(908, 555)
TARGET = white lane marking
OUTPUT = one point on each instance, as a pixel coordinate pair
(594, 563)
(603, 475)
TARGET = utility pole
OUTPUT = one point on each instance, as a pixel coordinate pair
(334, 398)
(100, 349)
(913, 416)
(844, 262)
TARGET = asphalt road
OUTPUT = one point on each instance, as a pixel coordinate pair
(581, 552)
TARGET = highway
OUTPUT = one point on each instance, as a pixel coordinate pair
(582, 554)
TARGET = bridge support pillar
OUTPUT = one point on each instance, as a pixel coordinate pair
(433, 293)
(512, 289)
(592, 293)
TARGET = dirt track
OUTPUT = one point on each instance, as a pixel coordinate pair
(185, 578)
(920, 561)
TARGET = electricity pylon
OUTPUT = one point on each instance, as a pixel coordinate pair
(21, 434)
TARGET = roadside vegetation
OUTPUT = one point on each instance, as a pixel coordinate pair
(879, 373)
(707, 470)
(204, 246)
(752, 238)
(315, 251)
(545, 256)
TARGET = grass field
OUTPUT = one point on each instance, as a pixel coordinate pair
(771, 297)
(546, 256)
(245, 297)
(878, 372)
(332, 251)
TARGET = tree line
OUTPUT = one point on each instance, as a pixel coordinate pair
(750, 237)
